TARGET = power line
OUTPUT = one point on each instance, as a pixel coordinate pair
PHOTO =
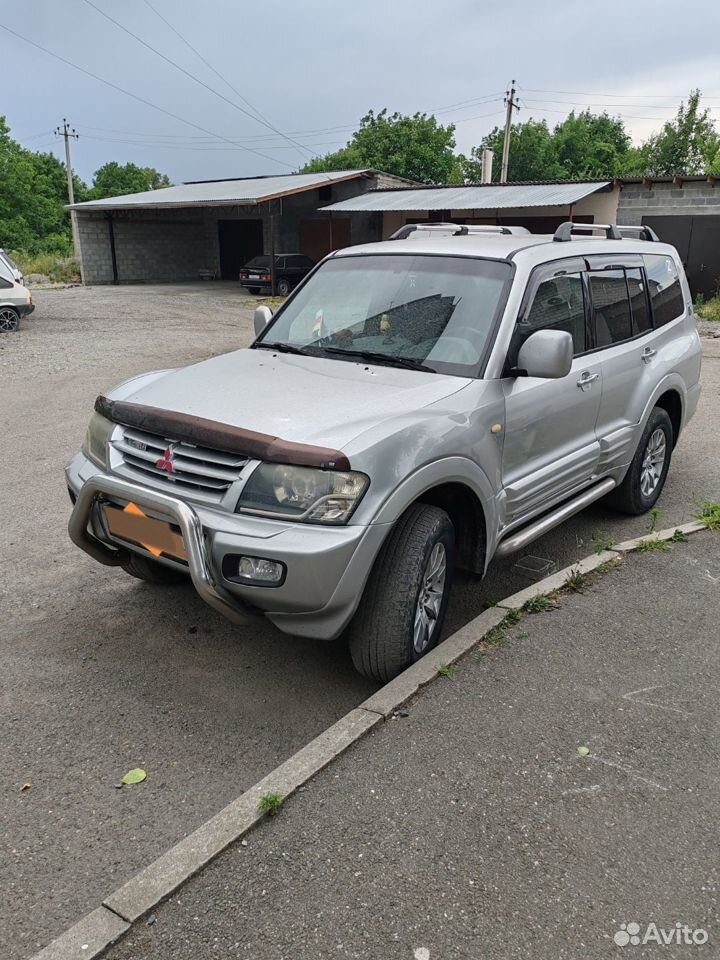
(216, 72)
(192, 76)
(134, 96)
(618, 96)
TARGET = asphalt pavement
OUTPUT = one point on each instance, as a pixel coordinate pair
(102, 673)
(556, 797)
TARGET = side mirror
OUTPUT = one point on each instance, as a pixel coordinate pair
(547, 354)
(263, 316)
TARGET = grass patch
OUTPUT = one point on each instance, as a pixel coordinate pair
(58, 268)
(575, 580)
(447, 670)
(541, 603)
(679, 536)
(602, 542)
(653, 545)
(271, 301)
(708, 309)
(709, 514)
(512, 616)
(270, 803)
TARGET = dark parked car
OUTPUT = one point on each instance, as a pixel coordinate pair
(290, 269)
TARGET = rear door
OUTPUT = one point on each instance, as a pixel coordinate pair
(550, 447)
(632, 351)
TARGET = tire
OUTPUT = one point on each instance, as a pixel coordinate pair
(9, 320)
(143, 569)
(634, 495)
(382, 632)
(283, 287)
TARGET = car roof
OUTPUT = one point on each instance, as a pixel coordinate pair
(530, 249)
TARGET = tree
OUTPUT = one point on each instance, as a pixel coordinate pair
(532, 156)
(33, 198)
(688, 144)
(114, 179)
(416, 147)
(590, 145)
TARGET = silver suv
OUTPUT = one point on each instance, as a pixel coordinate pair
(416, 405)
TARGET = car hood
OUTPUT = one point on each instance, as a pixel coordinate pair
(302, 399)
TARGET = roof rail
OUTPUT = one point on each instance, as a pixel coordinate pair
(564, 232)
(455, 230)
(643, 233)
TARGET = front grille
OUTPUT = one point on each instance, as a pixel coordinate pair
(194, 467)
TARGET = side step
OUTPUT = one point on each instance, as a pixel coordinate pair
(522, 538)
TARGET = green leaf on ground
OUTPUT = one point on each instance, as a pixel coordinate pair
(583, 751)
(134, 776)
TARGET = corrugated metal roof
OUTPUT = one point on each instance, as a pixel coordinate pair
(220, 192)
(487, 197)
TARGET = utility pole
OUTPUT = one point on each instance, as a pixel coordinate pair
(68, 133)
(511, 103)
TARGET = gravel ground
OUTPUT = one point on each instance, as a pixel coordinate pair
(101, 673)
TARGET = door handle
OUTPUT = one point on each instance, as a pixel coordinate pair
(648, 353)
(587, 380)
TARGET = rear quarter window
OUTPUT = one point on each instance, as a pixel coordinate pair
(666, 295)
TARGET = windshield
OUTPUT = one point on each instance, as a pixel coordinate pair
(435, 312)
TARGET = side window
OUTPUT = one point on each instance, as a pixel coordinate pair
(664, 287)
(558, 304)
(638, 301)
(612, 321)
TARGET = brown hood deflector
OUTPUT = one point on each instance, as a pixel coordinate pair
(220, 436)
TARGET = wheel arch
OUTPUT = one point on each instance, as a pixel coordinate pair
(671, 402)
(467, 516)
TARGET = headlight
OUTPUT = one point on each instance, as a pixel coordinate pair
(302, 493)
(96, 438)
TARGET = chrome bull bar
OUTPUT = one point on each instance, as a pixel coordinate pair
(181, 513)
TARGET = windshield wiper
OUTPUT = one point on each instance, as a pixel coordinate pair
(281, 347)
(373, 357)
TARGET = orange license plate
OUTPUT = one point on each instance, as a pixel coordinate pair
(156, 536)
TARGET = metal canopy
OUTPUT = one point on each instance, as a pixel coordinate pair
(213, 193)
(486, 197)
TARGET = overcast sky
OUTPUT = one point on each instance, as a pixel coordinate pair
(312, 66)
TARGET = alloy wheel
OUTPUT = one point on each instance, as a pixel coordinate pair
(653, 462)
(8, 320)
(430, 598)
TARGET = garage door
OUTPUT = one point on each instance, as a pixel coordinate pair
(319, 237)
(697, 240)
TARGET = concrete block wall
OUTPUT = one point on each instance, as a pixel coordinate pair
(667, 199)
(175, 244)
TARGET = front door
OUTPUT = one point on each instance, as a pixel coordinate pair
(551, 448)
(239, 241)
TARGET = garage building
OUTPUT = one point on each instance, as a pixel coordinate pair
(212, 227)
(684, 211)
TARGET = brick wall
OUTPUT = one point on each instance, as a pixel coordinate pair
(667, 199)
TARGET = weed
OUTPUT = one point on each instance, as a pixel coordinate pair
(655, 515)
(679, 537)
(602, 542)
(576, 580)
(708, 309)
(607, 567)
(270, 803)
(540, 603)
(709, 514)
(512, 616)
(653, 545)
(447, 670)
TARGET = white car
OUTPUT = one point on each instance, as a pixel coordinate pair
(13, 267)
(15, 300)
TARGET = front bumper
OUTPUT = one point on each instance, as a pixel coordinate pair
(327, 567)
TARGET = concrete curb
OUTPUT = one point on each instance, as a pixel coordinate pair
(101, 928)
(628, 545)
